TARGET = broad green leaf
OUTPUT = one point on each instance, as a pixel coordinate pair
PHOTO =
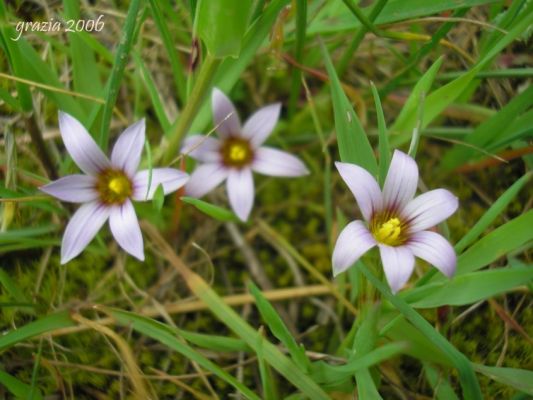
(168, 336)
(42, 325)
(520, 379)
(17, 388)
(353, 143)
(221, 25)
(469, 288)
(219, 213)
(278, 328)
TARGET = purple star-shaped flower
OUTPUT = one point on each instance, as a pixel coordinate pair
(396, 222)
(107, 188)
(238, 152)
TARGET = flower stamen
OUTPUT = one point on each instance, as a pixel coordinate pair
(236, 152)
(388, 232)
(114, 187)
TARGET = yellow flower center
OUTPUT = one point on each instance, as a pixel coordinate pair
(113, 186)
(236, 152)
(388, 232)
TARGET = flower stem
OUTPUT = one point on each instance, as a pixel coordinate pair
(467, 377)
(203, 82)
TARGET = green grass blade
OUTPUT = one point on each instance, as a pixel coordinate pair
(167, 336)
(178, 70)
(497, 244)
(406, 120)
(278, 328)
(489, 131)
(492, 213)
(45, 324)
(442, 389)
(117, 72)
(467, 377)
(354, 146)
(85, 77)
(153, 92)
(296, 73)
(17, 388)
(216, 212)
(469, 288)
(520, 379)
(384, 147)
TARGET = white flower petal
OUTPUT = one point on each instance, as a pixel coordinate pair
(260, 125)
(82, 228)
(275, 162)
(353, 241)
(401, 182)
(435, 249)
(363, 186)
(429, 209)
(72, 188)
(205, 178)
(398, 264)
(225, 116)
(125, 229)
(240, 187)
(202, 148)
(128, 148)
(81, 146)
(171, 179)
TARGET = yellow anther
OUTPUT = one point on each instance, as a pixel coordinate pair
(119, 185)
(389, 232)
(238, 152)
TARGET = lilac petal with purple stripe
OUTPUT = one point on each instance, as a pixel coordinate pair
(202, 148)
(128, 148)
(81, 146)
(125, 229)
(398, 264)
(240, 187)
(354, 241)
(225, 116)
(72, 188)
(434, 249)
(82, 228)
(401, 181)
(429, 209)
(205, 178)
(275, 162)
(261, 124)
(171, 179)
(363, 186)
